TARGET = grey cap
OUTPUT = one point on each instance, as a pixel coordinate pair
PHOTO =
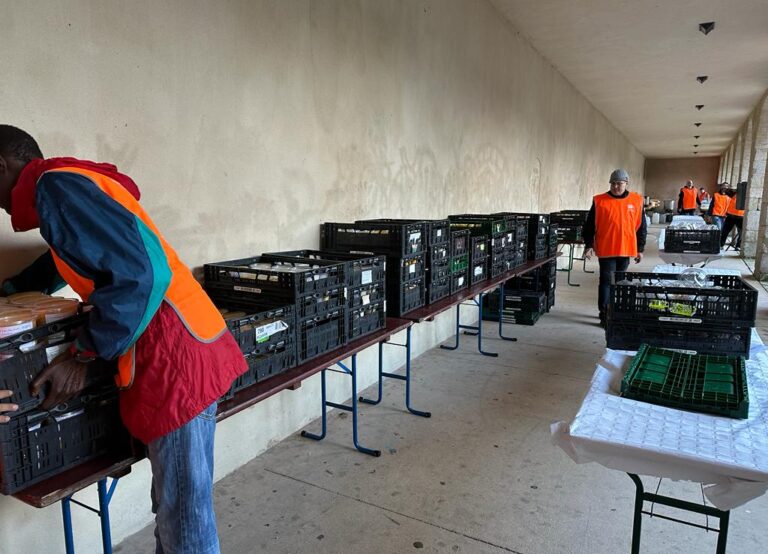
(619, 175)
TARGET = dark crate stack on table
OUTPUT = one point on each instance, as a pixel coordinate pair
(675, 311)
(315, 288)
(493, 227)
(569, 224)
(478, 258)
(366, 287)
(460, 257)
(38, 444)
(538, 234)
(404, 245)
(437, 255)
(515, 240)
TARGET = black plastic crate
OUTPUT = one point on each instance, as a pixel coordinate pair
(367, 319)
(497, 268)
(358, 297)
(569, 218)
(257, 331)
(645, 295)
(479, 224)
(320, 335)
(478, 271)
(569, 234)
(438, 289)
(40, 444)
(438, 253)
(459, 263)
(479, 247)
(459, 281)
(538, 224)
(361, 269)
(460, 244)
(394, 239)
(406, 297)
(285, 278)
(402, 270)
(438, 230)
(277, 358)
(702, 339)
(550, 300)
(699, 241)
(439, 271)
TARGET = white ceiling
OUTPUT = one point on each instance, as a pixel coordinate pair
(637, 61)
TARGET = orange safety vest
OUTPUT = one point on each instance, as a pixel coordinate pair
(720, 206)
(184, 295)
(616, 223)
(732, 208)
(689, 198)
(703, 196)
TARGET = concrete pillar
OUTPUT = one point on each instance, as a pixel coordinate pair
(747, 154)
(755, 239)
(738, 149)
(729, 166)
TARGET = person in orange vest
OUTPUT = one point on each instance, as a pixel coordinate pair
(175, 356)
(734, 219)
(688, 200)
(615, 231)
(718, 207)
(703, 195)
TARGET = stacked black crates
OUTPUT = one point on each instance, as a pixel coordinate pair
(553, 239)
(493, 227)
(38, 444)
(538, 235)
(366, 287)
(267, 339)
(667, 311)
(515, 241)
(460, 257)
(569, 224)
(542, 279)
(521, 307)
(316, 288)
(404, 245)
(478, 258)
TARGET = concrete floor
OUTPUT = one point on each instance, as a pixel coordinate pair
(480, 476)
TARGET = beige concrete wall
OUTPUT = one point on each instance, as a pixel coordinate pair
(247, 123)
(665, 177)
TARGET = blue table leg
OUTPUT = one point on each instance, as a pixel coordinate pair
(321, 436)
(66, 514)
(361, 448)
(479, 327)
(381, 377)
(458, 327)
(104, 498)
(501, 318)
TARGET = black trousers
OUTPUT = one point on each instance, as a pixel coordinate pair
(688, 212)
(731, 221)
(607, 267)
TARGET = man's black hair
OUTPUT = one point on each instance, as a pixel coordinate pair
(19, 144)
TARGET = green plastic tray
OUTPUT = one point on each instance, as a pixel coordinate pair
(700, 383)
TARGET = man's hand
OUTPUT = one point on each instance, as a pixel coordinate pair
(67, 378)
(639, 257)
(6, 406)
(588, 253)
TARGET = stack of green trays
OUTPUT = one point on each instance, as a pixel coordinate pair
(699, 383)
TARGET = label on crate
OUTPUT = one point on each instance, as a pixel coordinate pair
(265, 331)
(52, 352)
(679, 319)
(461, 280)
(439, 233)
(412, 268)
(247, 289)
(366, 298)
(366, 277)
(478, 270)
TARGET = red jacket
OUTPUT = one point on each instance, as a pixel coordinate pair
(175, 354)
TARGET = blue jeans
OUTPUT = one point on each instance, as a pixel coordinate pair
(182, 488)
(718, 220)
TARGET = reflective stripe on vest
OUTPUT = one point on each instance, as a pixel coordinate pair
(720, 204)
(689, 198)
(201, 318)
(616, 223)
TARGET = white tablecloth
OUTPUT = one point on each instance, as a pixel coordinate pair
(729, 456)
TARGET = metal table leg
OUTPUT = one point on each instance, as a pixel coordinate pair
(473, 329)
(105, 497)
(406, 377)
(352, 372)
(641, 496)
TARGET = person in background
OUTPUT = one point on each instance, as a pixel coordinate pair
(615, 231)
(704, 199)
(718, 207)
(734, 219)
(175, 357)
(688, 199)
